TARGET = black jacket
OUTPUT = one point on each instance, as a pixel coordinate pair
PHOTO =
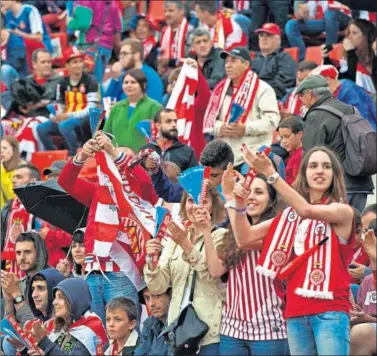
(277, 69)
(213, 68)
(180, 154)
(324, 129)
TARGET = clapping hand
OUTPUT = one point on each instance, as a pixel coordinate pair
(259, 161)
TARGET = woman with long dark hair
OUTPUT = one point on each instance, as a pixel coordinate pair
(252, 320)
(317, 219)
(360, 62)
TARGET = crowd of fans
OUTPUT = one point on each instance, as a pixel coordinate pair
(226, 85)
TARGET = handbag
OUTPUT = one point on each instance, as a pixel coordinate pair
(185, 332)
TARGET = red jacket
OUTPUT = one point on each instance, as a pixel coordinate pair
(203, 93)
(88, 194)
(55, 240)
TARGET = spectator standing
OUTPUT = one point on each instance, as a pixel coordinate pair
(360, 62)
(314, 17)
(260, 115)
(104, 32)
(126, 114)
(121, 317)
(207, 56)
(144, 29)
(158, 306)
(291, 132)
(15, 219)
(276, 67)
(10, 160)
(245, 312)
(75, 94)
(185, 252)
(318, 289)
(24, 23)
(173, 38)
(324, 128)
(225, 33)
(167, 145)
(260, 10)
(131, 56)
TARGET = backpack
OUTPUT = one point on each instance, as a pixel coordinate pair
(359, 140)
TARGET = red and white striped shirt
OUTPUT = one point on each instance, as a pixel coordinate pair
(240, 5)
(254, 304)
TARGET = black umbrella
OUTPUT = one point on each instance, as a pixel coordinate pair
(50, 202)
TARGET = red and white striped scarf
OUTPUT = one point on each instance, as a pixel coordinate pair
(89, 330)
(240, 5)
(19, 221)
(244, 95)
(174, 48)
(320, 7)
(27, 136)
(287, 232)
(182, 100)
(148, 45)
(367, 15)
(124, 221)
(294, 105)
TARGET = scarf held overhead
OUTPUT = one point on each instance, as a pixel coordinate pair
(124, 221)
(243, 95)
(182, 101)
(288, 231)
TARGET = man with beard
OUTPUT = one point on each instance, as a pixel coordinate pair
(131, 56)
(167, 145)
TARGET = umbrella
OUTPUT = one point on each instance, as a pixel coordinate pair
(50, 202)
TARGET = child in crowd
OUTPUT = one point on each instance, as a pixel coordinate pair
(291, 131)
(121, 315)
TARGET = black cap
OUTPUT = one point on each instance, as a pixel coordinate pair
(238, 52)
(56, 167)
(141, 295)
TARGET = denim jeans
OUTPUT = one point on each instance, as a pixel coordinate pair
(102, 291)
(233, 346)
(332, 22)
(319, 334)
(357, 200)
(102, 56)
(66, 128)
(209, 350)
(8, 75)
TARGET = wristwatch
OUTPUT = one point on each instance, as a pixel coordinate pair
(19, 299)
(272, 179)
(232, 205)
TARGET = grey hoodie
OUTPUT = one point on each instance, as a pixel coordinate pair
(25, 313)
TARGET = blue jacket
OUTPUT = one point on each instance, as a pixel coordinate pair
(151, 344)
(155, 88)
(166, 189)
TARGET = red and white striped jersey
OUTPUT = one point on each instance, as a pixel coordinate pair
(317, 8)
(254, 306)
(240, 5)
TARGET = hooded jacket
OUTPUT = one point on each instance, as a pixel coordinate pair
(52, 278)
(78, 294)
(25, 313)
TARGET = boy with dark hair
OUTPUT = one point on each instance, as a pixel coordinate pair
(291, 131)
(121, 316)
(217, 154)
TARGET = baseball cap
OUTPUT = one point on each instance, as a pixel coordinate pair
(70, 53)
(56, 167)
(312, 82)
(142, 288)
(270, 28)
(238, 52)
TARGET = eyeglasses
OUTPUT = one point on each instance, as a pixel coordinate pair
(123, 54)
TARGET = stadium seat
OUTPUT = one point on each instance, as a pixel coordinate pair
(314, 54)
(293, 52)
(156, 10)
(337, 52)
(44, 159)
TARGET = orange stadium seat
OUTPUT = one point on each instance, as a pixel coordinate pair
(293, 52)
(314, 54)
(156, 10)
(337, 52)
(44, 159)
